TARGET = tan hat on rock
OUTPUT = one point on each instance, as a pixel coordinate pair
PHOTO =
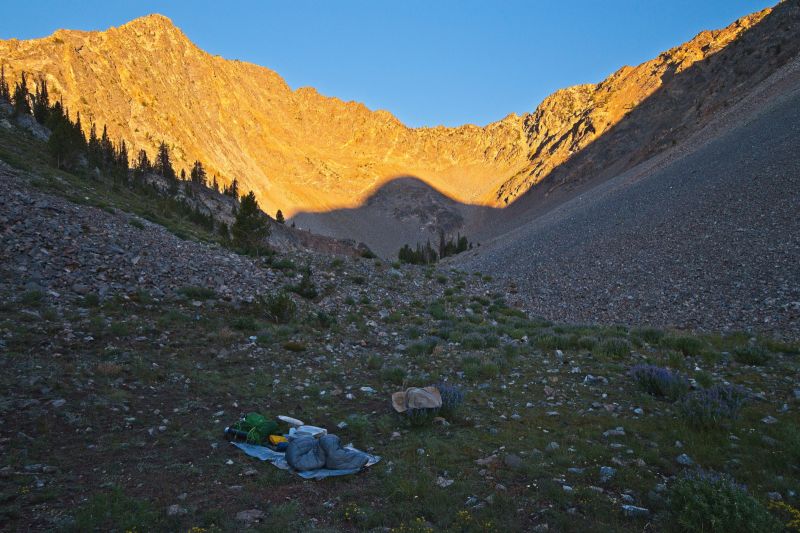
(416, 398)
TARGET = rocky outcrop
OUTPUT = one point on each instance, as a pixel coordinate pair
(591, 131)
(298, 149)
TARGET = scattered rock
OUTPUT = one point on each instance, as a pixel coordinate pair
(513, 461)
(176, 510)
(684, 460)
(616, 432)
(633, 511)
(607, 473)
(250, 516)
(486, 460)
(595, 380)
(444, 482)
(440, 421)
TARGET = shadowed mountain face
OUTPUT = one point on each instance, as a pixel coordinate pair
(403, 210)
(307, 154)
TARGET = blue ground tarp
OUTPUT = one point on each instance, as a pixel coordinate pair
(278, 459)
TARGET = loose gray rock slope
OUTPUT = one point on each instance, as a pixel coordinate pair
(710, 240)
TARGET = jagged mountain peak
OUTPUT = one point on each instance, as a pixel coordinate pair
(151, 20)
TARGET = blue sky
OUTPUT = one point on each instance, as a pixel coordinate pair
(428, 62)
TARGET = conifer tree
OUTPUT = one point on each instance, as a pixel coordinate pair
(94, 151)
(224, 232)
(21, 98)
(41, 102)
(163, 164)
(122, 156)
(55, 115)
(233, 189)
(215, 184)
(5, 92)
(251, 226)
(66, 142)
(78, 128)
(61, 144)
(107, 148)
(279, 217)
(143, 165)
(198, 174)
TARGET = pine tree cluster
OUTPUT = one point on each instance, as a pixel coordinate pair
(71, 150)
(451, 246)
(426, 255)
(422, 255)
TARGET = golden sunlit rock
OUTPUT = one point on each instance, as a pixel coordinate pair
(302, 151)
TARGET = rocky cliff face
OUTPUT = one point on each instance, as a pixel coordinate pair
(298, 150)
(587, 131)
(301, 151)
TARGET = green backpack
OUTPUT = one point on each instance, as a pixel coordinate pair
(257, 426)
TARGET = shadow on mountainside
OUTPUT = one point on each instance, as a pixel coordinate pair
(407, 210)
(404, 210)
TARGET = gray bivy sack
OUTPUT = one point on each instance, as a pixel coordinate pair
(308, 453)
(305, 454)
(339, 458)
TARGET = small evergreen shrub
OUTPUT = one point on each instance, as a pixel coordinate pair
(614, 347)
(754, 355)
(358, 426)
(437, 310)
(324, 319)
(711, 408)
(707, 501)
(91, 300)
(452, 397)
(394, 375)
(306, 287)
(421, 417)
(704, 379)
(473, 341)
(491, 341)
(550, 341)
(649, 335)
(279, 308)
(244, 323)
(283, 264)
(660, 381)
(423, 347)
(488, 370)
(32, 298)
(198, 293)
(684, 344)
